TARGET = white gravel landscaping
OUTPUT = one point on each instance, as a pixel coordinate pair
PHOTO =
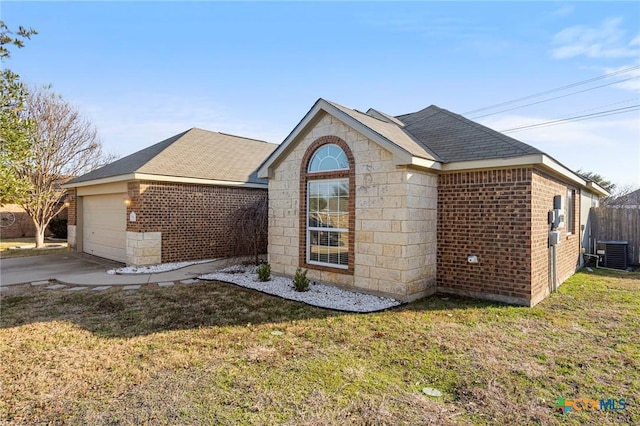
(153, 269)
(320, 295)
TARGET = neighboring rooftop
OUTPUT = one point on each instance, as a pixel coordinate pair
(631, 199)
(195, 153)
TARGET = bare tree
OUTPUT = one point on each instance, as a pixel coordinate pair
(63, 145)
(620, 195)
(250, 225)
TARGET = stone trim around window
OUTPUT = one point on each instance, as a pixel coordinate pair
(305, 176)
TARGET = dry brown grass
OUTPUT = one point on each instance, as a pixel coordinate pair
(7, 251)
(208, 354)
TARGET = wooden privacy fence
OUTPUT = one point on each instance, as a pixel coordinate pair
(619, 224)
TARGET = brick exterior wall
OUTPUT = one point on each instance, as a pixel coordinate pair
(193, 220)
(486, 214)
(23, 226)
(544, 187)
(72, 209)
(395, 218)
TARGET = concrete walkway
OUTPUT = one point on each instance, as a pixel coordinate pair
(72, 269)
(103, 279)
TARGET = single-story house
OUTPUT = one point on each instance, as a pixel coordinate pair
(170, 202)
(420, 203)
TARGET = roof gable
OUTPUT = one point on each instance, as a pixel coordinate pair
(388, 129)
(197, 154)
(380, 129)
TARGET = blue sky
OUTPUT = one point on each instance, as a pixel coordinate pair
(144, 71)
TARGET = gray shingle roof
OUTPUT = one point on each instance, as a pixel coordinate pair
(195, 153)
(455, 138)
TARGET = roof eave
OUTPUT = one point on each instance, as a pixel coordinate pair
(541, 160)
(198, 181)
(99, 181)
(164, 178)
(597, 189)
(423, 163)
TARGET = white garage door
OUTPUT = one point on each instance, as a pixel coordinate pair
(105, 225)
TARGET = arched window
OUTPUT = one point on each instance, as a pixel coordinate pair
(328, 158)
(327, 220)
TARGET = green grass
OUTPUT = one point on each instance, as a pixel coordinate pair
(218, 354)
(7, 252)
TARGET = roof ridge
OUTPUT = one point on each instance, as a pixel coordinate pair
(169, 141)
(244, 137)
(371, 116)
(485, 129)
(355, 110)
(133, 161)
(395, 125)
(384, 116)
(423, 109)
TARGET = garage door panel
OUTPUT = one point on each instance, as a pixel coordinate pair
(104, 226)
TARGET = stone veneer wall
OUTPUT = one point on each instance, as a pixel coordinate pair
(395, 219)
(568, 251)
(486, 214)
(72, 236)
(144, 248)
(192, 221)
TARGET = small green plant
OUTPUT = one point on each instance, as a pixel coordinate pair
(300, 280)
(264, 272)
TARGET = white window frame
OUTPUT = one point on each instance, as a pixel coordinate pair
(325, 229)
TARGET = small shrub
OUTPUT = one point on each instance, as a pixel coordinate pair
(58, 227)
(300, 280)
(264, 272)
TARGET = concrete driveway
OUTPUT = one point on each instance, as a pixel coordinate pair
(51, 266)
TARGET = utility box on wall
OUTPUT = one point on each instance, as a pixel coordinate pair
(558, 207)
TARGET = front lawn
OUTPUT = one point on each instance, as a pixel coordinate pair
(213, 353)
(26, 247)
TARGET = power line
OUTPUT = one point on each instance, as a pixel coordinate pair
(576, 118)
(557, 97)
(635, 98)
(557, 89)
